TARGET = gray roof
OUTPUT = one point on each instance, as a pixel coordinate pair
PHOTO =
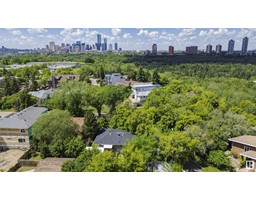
(113, 137)
(249, 140)
(42, 94)
(249, 154)
(23, 119)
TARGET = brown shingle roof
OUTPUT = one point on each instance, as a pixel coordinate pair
(79, 121)
(249, 140)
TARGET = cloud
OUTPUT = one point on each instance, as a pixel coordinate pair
(16, 32)
(218, 33)
(153, 34)
(116, 31)
(127, 36)
(37, 30)
(187, 32)
(51, 37)
(77, 32)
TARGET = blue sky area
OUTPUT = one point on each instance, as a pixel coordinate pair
(128, 38)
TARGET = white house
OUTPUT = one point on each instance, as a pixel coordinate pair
(140, 91)
(113, 78)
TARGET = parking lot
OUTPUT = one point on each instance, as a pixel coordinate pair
(9, 158)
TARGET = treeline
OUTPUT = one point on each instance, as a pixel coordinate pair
(163, 60)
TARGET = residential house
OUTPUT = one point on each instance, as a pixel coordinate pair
(140, 91)
(16, 130)
(42, 94)
(113, 139)
(113, 78)
(55, 80)
(245, 146)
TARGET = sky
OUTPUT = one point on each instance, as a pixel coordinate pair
(128, 38)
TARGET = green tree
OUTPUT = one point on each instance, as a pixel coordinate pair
(91, 126)
(82, 161)
(74, 148)
(219, 159)
(155, 77)
(141, 77)
(95, 97)
(131, 159)
(52, 132)
(103, 162)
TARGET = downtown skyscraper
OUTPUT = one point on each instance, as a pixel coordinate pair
(98, 44)
(231, 45)
(244, 46)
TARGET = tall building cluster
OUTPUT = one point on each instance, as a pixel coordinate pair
(190, 50)
(78, 46)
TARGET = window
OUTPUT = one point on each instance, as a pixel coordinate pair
(247, 148)
(21, 140)
(22, 130)
(133, 96)
(250, 164)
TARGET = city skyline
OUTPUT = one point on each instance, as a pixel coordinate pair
(129, 38)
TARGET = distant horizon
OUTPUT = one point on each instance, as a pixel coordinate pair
(129, 39)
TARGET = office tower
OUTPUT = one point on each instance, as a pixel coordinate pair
(83, 47)
(218, 49)
(87, 47)
(110, 47)
(120, 49)
(191, 50)
(57, 47)
(98, 44)
(62, 44)
(171, 50)
(116, 47)
(244, 46)
(154, 49)
(2, 48)
(231, 45)
(47, 47)
(209, 49)
(104, 44)
(52, 46)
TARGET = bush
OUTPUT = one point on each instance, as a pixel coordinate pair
(210, 169)
(219, 159)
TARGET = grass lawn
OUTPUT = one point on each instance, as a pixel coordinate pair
(35, 158)
(23, 169)
(8, 110)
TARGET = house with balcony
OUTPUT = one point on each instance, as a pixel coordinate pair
(16, 130)
(114, 78)
(140, 91)
(245, 146)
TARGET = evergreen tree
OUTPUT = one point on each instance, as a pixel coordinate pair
(141, 75)
(155, 77)
(91, 126)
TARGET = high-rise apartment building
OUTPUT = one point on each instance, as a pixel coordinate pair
(116, 47)
(52, 46)
(244, 46)
(231, 45)
(209, 49)
(218, 49)
(154, 49)
(110, 47)
(171, 50)
(191, 50)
